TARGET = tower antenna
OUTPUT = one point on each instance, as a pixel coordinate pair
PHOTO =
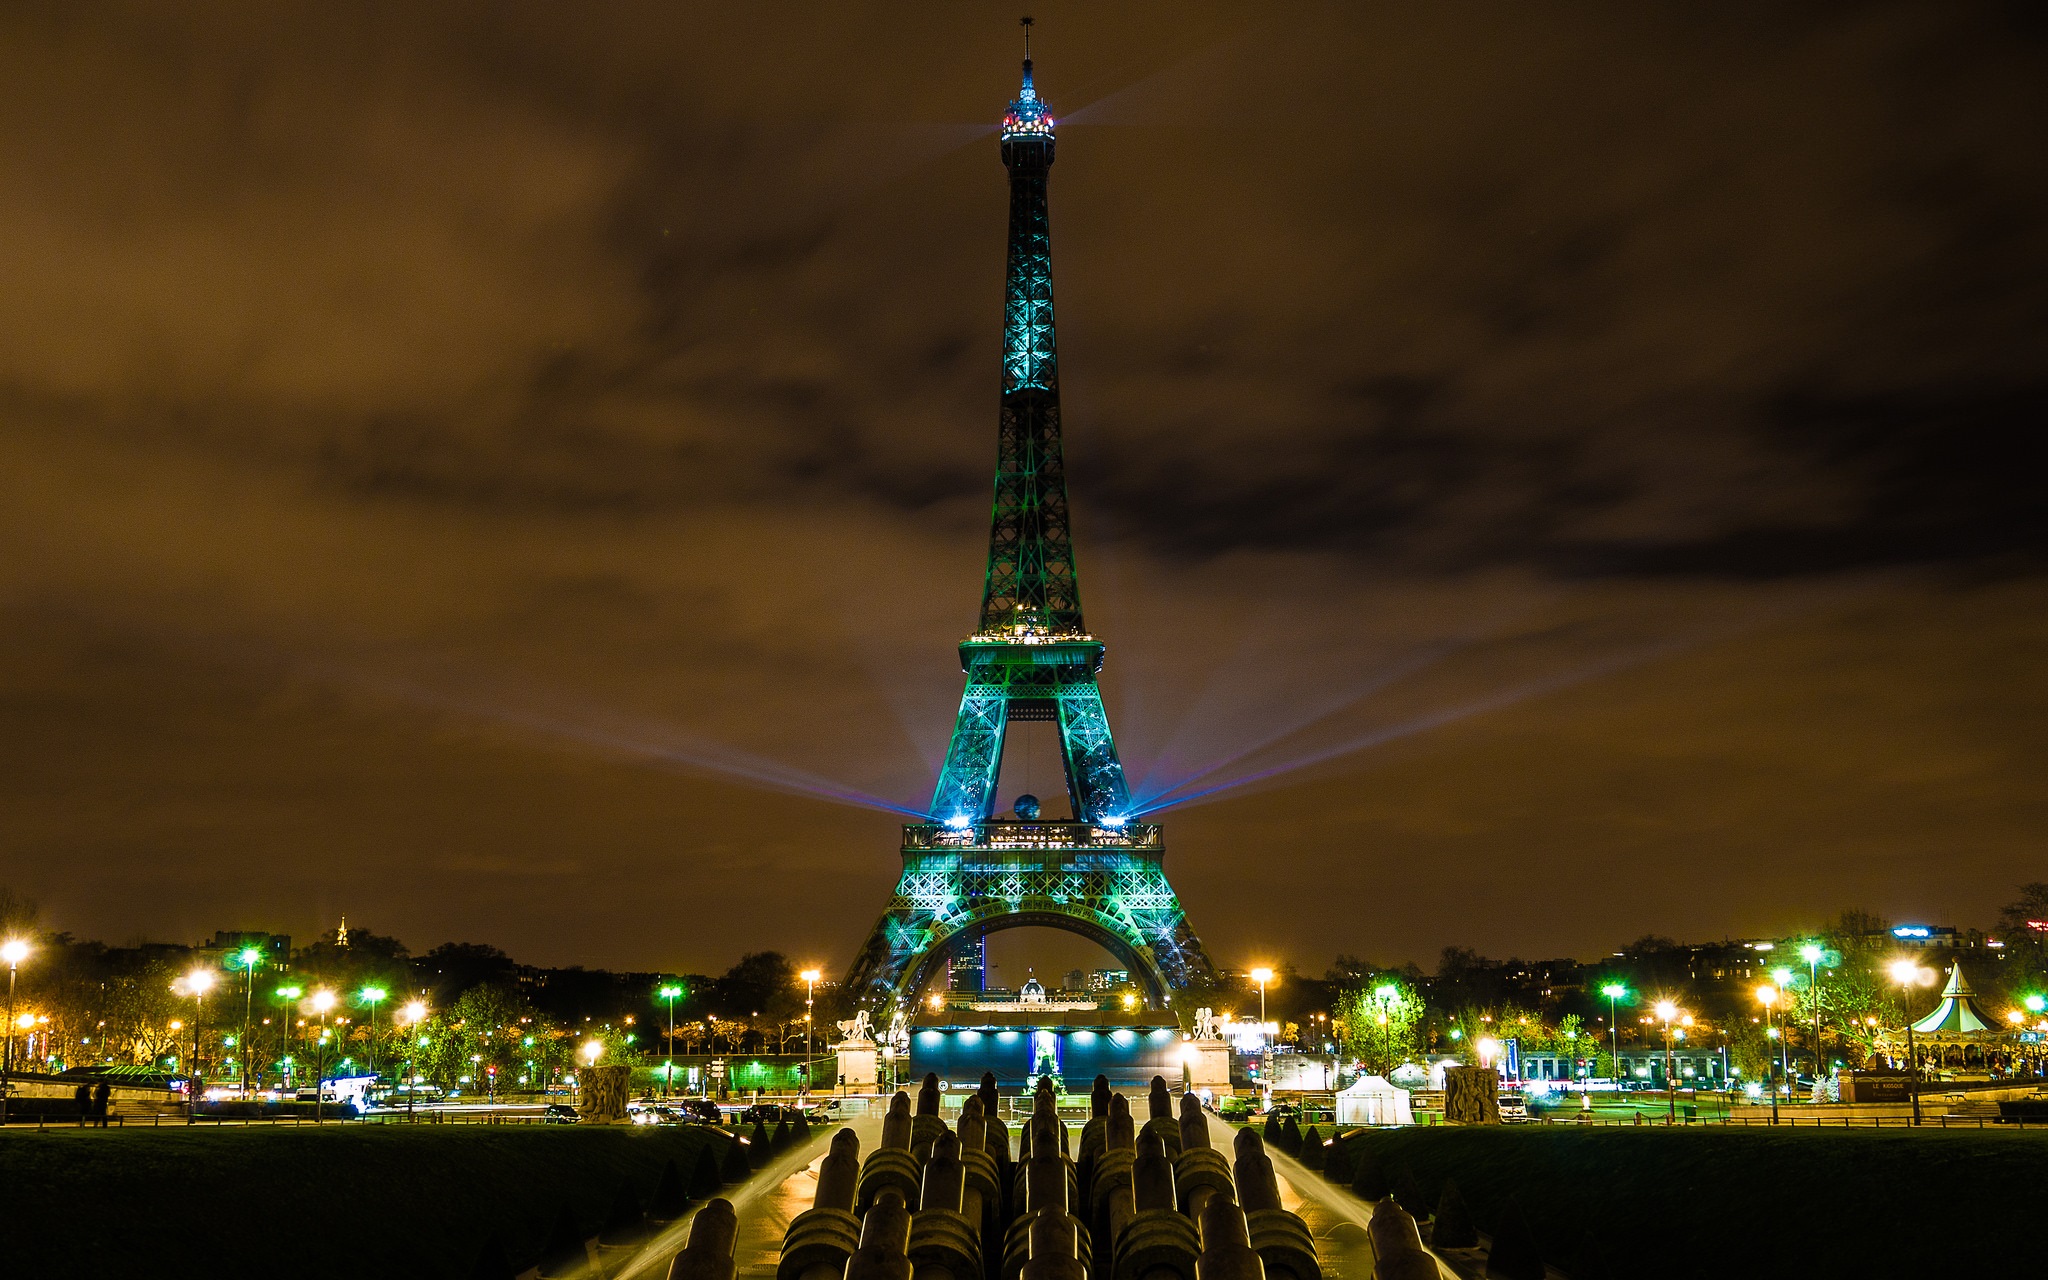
(1025, 22)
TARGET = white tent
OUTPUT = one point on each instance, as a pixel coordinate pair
(1372, 1100)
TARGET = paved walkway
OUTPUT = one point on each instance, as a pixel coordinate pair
(775, 1196)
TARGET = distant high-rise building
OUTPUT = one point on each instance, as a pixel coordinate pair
(969, 969)
(1109, 979)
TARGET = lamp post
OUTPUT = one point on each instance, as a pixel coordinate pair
(810, 977)
(668, 1072)
(414, 1013)
(1812, 953)
(372, 996)
(323, 1000)
(287, 1003)
(197, 984)
(1767, 996)
(1614, 991)
(1908, 974)
(13, 951)
(250, 958)
(1666, 1011)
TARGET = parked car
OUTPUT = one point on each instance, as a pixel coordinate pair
(1513, 1106)
(559, 1113)
(698, 1111)
(769, 1113)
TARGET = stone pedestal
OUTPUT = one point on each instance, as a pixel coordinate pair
(859, 1067)
(1208, 1066)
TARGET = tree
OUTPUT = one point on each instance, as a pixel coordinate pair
(2023, 928)
(1379, 1024)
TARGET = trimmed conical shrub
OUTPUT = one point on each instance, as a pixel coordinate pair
(704, 1179)
(1368, 1177)
(1338, 1156)
(1408, 1194)
(564, 1254)
(759, 1145)
(1514, 1255)
(1454, 1227)
(1271, 1133)
(736, 1167)
(1290, 1137)
(627, 1221)
(1312, 1153)
(801, 1130)
(779, 1140)
(671, 1198)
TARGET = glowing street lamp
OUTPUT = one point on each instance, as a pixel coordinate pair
(1614, 991)
(1488, 1047)
(321, 1000)
(410, 1017)
(1767, 996)
(372, 996)
(810, 977)
(673, 993)
(1813, 953)
(1908, 974)
(1262, 975)
(247, 959)
(287, 999)
(1667, 1012)
(13, 951)
(197, 983)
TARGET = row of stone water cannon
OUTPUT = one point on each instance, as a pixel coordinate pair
(933, 1203)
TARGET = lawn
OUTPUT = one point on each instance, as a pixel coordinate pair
(338, 1200)
(1699, 1202)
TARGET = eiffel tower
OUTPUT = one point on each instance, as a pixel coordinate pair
(966, 871)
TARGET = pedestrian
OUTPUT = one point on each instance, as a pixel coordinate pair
(82, 1096)
(102, 1096)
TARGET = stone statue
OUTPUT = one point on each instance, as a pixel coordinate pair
(1205, 1024)
(858, 1027)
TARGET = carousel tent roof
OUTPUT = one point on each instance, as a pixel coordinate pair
(1957, 1014)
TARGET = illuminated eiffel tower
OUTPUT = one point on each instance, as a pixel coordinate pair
(966, 871)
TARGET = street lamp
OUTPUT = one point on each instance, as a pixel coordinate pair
(672, 993)
(414, 1013)
(250, 957)
(1262, 975)
(287, 1000)
(1614, 991)
(323, 1000)
(1908, 974)
(1812, 953)
(197, 984)
(13, 951)
(1666, 1011)
(810, 977)
(1767, 996)
(372, 996)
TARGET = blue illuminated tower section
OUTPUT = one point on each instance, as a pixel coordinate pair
(967, 871)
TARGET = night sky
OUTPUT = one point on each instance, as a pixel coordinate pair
(518, 472)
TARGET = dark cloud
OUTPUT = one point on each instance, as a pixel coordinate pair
(486, 463)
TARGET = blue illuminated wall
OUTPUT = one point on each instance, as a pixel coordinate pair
(1129, 1056)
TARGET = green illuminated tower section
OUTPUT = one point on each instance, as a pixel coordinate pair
(968, 872)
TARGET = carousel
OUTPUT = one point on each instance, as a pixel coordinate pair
(1958, 1035)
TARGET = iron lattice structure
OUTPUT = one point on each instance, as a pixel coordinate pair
(966, 872)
